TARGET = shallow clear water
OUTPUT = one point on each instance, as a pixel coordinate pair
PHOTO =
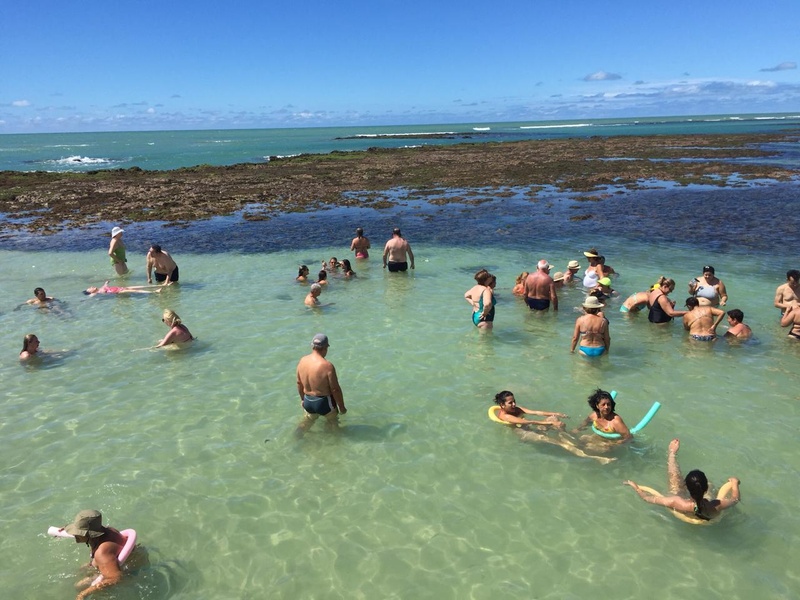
(418, 495)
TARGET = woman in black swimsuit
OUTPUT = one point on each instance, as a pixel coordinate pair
(662, 309)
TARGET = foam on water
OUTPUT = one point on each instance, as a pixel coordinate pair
(419, 494)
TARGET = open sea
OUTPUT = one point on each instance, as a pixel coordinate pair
(419, 494)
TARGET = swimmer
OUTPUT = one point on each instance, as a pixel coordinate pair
(536, 431)
(133, 289)
(322, 277)
(602, 291)
(30, 347)
(788, 294)
(636, 302)
(178, 332)
(662, 309)
(603, 416)
(302, 274)
(163, 266)
(519, 284)
(318, 386)
(592, 330)
(360, 244)
(540, 291)
(558, 279)
(332, 266)
(313, 294)
(572, 270)
(695, 485)
(397, 253)
(40, 297)
(481, 298)
(116, 251)
(702, 321)
(594, 271)
(709, 290)
(737, 327)
(347, 269)
(791, 318)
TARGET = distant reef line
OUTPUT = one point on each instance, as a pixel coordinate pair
(42, 202)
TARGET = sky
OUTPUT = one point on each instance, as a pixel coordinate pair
(126, 65)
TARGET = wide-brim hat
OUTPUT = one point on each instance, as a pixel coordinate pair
(558, 276)
(592, 302)
(116, 231)
(87, 523)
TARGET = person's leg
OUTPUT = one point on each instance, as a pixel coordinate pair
(563, 442)
(676, 484)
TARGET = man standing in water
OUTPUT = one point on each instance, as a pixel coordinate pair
(105, 544)
(161, 262)
(540, 289)
(318, 386)
(789, 293)
(397, 253)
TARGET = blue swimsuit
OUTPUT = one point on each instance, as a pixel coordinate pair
(476, 316)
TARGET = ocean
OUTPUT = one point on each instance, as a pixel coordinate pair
(419, 494)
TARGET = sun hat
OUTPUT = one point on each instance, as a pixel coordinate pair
(543, 264)
(320, 341)
(87, 523)
(116, 231)
(574, 264)
(592, 302)
(591, 253)
(558, 276)
(604, 281)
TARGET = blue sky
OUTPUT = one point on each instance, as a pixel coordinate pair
(146, 65)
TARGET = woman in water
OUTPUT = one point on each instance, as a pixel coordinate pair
(536, 431)
(360, 244)
(112, 289)
(347, 269)
(178, 332)
(116, 251)
(302, 274)
(30, 347)
(636, 302)
(481, 298)
(322, 277)
(519, 284)
(695, 486)
(702, 321)
(662, 309)
(591, 329)
(708, 290)
(603, 416)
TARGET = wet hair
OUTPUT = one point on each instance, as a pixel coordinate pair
(359, 232)
(37, 290)
(664, 282)
(692, 302)
(346, 266)
(27, 340)
(155, 248)
(522, 277)
(323, 274)
(302, 271)
(793, 274)
(91, 290)
(171, 318)
(501, 398)
(482, 277)
(736, 314)
(598, 395)
(697, 484)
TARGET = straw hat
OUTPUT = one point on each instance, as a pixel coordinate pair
(592, 302)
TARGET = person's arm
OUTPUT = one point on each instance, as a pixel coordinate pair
(693, 284)
(149, 267)
(576, 334)
(734, 499)
(720, 314)
(788, 317)
(584, 424)
(410, 254)
(606, 335)
(336, 390)
(169, 338)
(385, 254)
(300, 389)
(542, 413)
(108, 566)
(667, 307)
(487, 302)
(723, 293)
(686, 322)
(553, 295)
(368, 244)
(353, 245)
(779, 303)
(468, 297)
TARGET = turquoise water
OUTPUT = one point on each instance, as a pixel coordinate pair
(418, 495)
(160, 150)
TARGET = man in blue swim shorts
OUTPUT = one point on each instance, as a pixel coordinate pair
(318, 386)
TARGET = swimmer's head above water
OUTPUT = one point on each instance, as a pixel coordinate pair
(598, 396)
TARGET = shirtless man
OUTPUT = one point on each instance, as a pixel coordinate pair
(105, 544)
(318, 386)
(540, 290)
(360, 244)
(701, 321)
(792, 317)
(313, 295)
(738, 328)
(788, 294)
(397, 253)
(40, 297)
(165, 268)
(572, 270)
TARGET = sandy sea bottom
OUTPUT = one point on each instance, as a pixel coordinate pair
(418, 495)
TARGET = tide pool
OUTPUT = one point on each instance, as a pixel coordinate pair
(418, 495)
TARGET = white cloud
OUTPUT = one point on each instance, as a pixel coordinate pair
(784, 66)
(21, 103)
(151, 111)
(602, 76)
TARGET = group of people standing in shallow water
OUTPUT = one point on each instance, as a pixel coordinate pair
(158, 264)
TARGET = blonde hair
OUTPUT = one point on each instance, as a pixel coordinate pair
(663, 282)
(522, 277)
(171, 318)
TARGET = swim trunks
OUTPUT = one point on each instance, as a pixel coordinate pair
(592, 350)
(624, 309)
(317, 405)
(173, 277)
(704, 338)
(537, 303)
(394, 267)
